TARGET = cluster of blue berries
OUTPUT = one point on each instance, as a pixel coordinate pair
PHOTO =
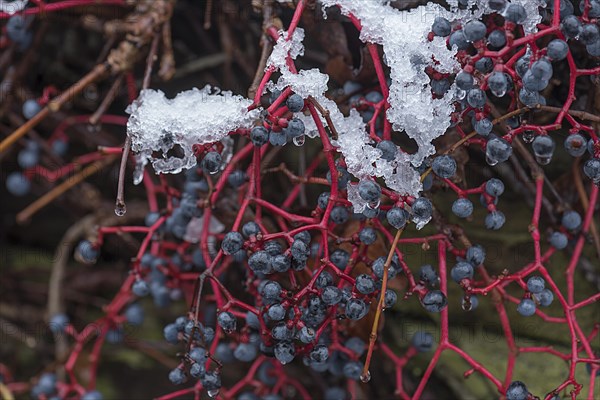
(537, 294)
(482, 46)
(281, 131)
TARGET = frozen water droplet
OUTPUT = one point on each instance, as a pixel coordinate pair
(366, 377)
(283, 362)
(120, 209)
(299, 140)
(227, 152)
(213, 172)
(460, 94)
(213, 393)
(420, 222)
(528, 136)
(138, 174)
(228, 331)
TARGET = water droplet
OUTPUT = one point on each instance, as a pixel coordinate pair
(366, 377)
(299, 140)
(374, 205)
(528, 136)
(93, 128)
(498, 93)
(228, 331)
(543, 160)
(138, 174)
(213, 172)
(120, 209)
(490, 160)
(213, 393)
(460, 94)
(421, 222)
(466, 305)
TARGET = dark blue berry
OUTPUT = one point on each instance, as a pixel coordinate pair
(495, 220)
(536, 284)
(526, 307)
(339, 215)
(462, 208)
(364, 284)
(356, 309)
(295, 103)
(367, 235)
(369, 191)
(434, 301)
(494, 187)
(259, 135)
(212, 162)
(396, 217)
(475, 255)
(517, 391)
(571, 220)
(284, 352)
(232, 242)
(388, 149)
(227, 321)
(58, 323)
(444, 166)
(462, 270)
(441, 27)
(422, 341)
(87, 252)
(260, 262)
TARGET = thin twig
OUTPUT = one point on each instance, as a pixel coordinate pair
(61, 257)
(5, 392)
(9, 329)
(120, 207)
(167, 61)
(150, 61)
(450, 150)
(209, 61)
(576, 113)
(534, 168)
(207, 14)
(54, 105)
(107, 101)
(267, 48)
(295, 178)
(46, 199)
(366, 375)
(325, 113)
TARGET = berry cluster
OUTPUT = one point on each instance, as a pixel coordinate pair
(282, 282)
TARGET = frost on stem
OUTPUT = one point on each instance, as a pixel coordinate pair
(163, 130)
(361, 156)
(13, 6)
